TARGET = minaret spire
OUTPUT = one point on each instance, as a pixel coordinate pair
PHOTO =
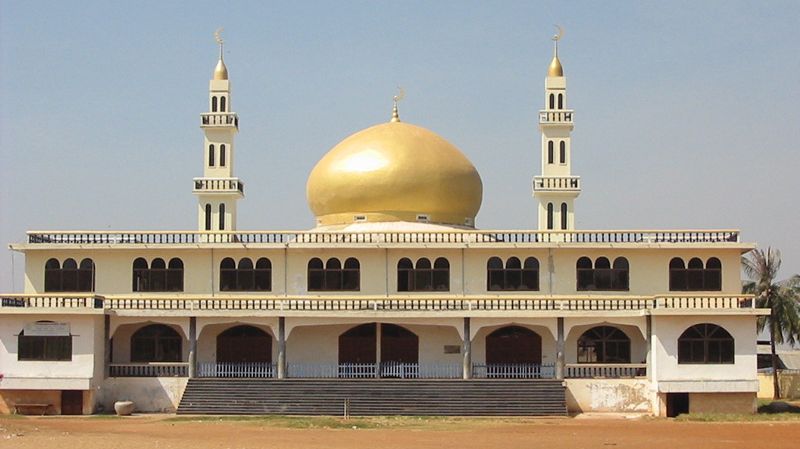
(400, 95)
(220, 71)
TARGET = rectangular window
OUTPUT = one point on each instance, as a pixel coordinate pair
(45, 348)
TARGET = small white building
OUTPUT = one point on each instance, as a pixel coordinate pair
(395, 282)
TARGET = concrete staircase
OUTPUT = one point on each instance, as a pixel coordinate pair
(486, 397)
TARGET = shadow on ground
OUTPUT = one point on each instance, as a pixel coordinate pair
(779, 407)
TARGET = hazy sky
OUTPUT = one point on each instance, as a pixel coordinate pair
(686, 112)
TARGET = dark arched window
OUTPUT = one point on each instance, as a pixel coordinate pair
(441, 274)
(222, 104)
(44, 347)
(620, 274)
(222, 217)
(245, 275)
(211, 155)
(705, 344)
(560, 101)
(158, 275)
(141, 275)
(564, 216)
(332, 277)
(208, 217)
(495, 274)
(515, 275)
(52, 276)
(69, 275)
(213, 104)
(175, 275)
(86, 276)
(585, 274)
(549, 216)
(423, 275)
(562, 152)
(549, 151)
(604, 344)
(227, 275)
(333, 274)
(351, 274)
(405, 275)
(263, 275)
(156, 343)
(530, 274)
(602, 273)
(222, 155)
(695, 277)
(552, 101)
(316, 274)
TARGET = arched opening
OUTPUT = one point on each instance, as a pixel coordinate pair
(405, 275)
(263, 275)
(333, 274)
(158, 275)
(213, 104)
(222, 104)
(227, 275)
(316, 274)
(358, 345)
(495, 275)
(222, 217)
(441, 274)
(398, 345)
(86, 275)
(620, 274)
(604, 344)
(564, 216)
(712, 278)
(211, 156)
(244, 344)
(351, 274)
(562, 152)
(69, 275)
(52, 275)
(174, 275)
(677, 275)
(585, 274)
(141, 275)
(705, 343)
(208, 217)
(560, 101)
(513, 345)
(550, 152)
(245, 276)
(549, 216)
(156, 343)
(530, 274)
(552, 101)
(222, 155)
(695, 273)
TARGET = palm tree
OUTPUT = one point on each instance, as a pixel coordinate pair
(781, 297)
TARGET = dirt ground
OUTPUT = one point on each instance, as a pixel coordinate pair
(164, 432)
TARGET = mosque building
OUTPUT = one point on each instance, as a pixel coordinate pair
(394, 303)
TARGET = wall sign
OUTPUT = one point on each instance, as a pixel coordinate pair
(46, 329)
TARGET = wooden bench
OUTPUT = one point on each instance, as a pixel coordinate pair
(31, 409)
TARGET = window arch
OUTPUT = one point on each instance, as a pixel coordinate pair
(213, 104)
(332, 276)
(263, 275)
(159, 276)
(694, 276)
(44, 347)
(156, 343)
(208, 217)
(222, 155)
(211, 155)
(603, 275)
(562, 152)
(69, 276)
(247, 277)
(564, 216)
(552, 101)
(550, 152)
(141, 275)
(227, 274)
(423, 276)
(222, 216)
(441, 274)
(222, 104)
(549, 216)
(705, 343)
(604, 344)
(560, 101)
(514, 276)
(405, 275)
(52, 275)
(86, 275)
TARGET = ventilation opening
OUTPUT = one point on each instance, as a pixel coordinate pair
(468, 222)
(359, 218)
(677, 404)
(423, 218)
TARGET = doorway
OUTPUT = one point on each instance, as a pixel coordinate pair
(677, 404)
(71, 402)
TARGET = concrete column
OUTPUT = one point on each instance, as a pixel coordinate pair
(192, 347)
(560, 349)
(378, 338)
(281, 347)
(467, 347)
(107, 345)
(648, 360)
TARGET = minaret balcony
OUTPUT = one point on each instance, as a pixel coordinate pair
(219, 119)
(556, 117)
(556, 184)
(218, 185)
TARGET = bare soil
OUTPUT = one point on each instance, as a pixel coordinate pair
(165, 432)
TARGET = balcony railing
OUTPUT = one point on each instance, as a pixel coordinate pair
(148, 369)
(219, 119)
(52, 301)
(549, 183)
(605, 370)
(557, 116)
(237, 370)
(458, 237)
(221, 185)
(706, 302)
(513, 371)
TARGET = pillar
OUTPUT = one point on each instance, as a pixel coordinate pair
(107, 345)
(560, 349)
(192, 347)
(281, 347)
(648, 360)
(378, 338)
(467, 362)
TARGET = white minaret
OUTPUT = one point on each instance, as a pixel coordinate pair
(218, 191)
(556, 189)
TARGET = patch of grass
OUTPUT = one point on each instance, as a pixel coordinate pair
(332, 422)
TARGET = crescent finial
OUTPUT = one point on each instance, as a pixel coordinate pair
(559, 33)
(218, 37)
(400, 95)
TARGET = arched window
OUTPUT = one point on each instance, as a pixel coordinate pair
(530, 274)
(351, 275)
(695, 273)
(158, 275)
(141, 275)
(405, 275)
(211, 155)
(69, 275)
(208, 217)
(495, 274)
(585, 274)
(562, 152)
(333, 274)
(263, 275)
(564, 216)
(222, 216)
(552, 101)
(221, 104)
(712, 278)
(245, 276)
(333, 277)
(175, 275)
(705, 344)
(316, 274)
(604, 344)
(620, 275)
(227, 275)
(515, 275)
(156, 343)
(423, 275)
(549, 216)
(602, 273)
(44, 347)
(677, 275)
(52, 276)
(695, 277)
(222, 155)
(213, 104)
(441, 274)
(86, 276)
(549, 151)
(560, 101)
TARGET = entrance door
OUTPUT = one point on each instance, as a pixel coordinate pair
(358, 344)
(71, 402)
(398, 345)
(244, 344)
(513, 344)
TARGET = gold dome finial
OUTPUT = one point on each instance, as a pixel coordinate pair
(555, 68)
(220, 71)
(400, 95)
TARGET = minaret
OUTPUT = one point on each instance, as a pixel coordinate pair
(218, 191)
(556, 189)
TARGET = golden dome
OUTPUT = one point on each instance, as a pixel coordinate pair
(220, 71)
(394, 172)
(555, 68)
